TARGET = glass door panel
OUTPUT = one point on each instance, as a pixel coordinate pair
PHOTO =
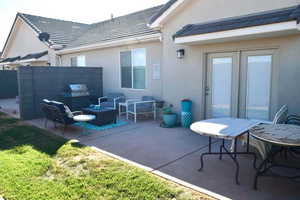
(258, 86)
(221, 86)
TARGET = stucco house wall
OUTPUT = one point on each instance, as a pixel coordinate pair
(185, 78)
(109, 60)
(24, 41)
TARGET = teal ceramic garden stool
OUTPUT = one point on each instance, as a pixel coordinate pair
(186, 113)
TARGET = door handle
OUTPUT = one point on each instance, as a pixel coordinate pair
(207, 90)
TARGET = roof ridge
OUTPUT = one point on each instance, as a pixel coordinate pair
(62, 20)
(133, 13)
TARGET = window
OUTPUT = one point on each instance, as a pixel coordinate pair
(133, 69)
(78, 61)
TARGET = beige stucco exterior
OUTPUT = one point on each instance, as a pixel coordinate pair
(185, 78)
(109, 60)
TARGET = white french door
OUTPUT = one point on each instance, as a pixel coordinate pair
(239, 84)
(221, 95)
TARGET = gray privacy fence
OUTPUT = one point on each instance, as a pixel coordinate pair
(38, 83)
(8, 84)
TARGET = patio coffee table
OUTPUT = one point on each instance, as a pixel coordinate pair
(103, 115)
(284, 136)
(225, 129)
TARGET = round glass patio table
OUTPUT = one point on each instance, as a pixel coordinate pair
(285, 136)
(84, 118)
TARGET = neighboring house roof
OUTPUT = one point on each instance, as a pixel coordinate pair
(13, 59)
(34, 55)
(118, 28)
(167, 11)
(162, 10)
(61, 32)
(27, 57)
(262, 18)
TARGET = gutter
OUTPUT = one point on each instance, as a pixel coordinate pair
(22, 61)
(114, 43)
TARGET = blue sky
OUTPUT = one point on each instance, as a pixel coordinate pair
(85, 11)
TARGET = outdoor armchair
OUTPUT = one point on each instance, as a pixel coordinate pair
(58, 113)
(111, 100)
(147, 105)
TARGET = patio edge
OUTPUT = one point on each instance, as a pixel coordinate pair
(163, 175)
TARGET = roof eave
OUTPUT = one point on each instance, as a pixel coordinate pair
(113, 43)
(159, 20)
(260, 31)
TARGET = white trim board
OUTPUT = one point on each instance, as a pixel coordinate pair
(160, 20)
(115, 43)
(269, 30)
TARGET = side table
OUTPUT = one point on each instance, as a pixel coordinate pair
(84, 118)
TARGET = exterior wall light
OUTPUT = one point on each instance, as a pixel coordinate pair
(180, 53)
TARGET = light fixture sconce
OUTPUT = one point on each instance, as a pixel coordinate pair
(180, 53)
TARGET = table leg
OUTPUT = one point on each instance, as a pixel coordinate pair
(204, 154)
(221, 148)
(233, 155)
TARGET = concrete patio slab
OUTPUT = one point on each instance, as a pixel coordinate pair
(176, 152)
(218, 176)
(150, 145)
(10, 107)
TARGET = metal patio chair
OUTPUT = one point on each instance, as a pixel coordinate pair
(112, 100)
(147, 105)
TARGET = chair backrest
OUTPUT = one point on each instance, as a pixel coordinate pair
(115, 95)
(148, 98)
(281, 116)
(53, 113)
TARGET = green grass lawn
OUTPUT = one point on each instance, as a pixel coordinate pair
(36, 165)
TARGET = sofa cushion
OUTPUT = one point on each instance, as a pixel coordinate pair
(148, 98)
(68, 112)
(108, 104)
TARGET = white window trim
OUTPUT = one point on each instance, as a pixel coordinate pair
(120, 71)
(77, 64)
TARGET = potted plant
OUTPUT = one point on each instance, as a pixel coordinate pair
(169, 117)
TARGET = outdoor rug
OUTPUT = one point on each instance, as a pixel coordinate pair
(100, 128)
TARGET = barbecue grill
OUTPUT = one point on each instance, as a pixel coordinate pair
(77, 90)
(77, 96)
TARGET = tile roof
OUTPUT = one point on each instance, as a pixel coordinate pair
(162, 10)
(118, 28)
(27, 57)
(10, 59)
(34, 55)
(263, 18)
(61, 32)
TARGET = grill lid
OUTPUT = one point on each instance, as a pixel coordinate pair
(77, 90)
